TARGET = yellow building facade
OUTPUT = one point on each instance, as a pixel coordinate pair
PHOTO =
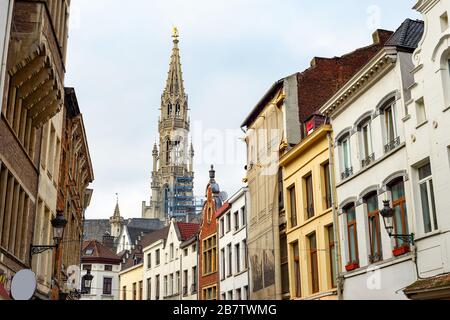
(131, 283)
(311, 229)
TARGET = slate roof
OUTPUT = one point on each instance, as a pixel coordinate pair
(96, 229)
(99, 253)
(135, 233)
(408, 35)
(154, 236)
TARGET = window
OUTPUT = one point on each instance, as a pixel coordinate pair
(238, 294)
(420, 112)
(149, 261)
(230, 260)
(332, 256)
(89, 252)
(186, 252)
(284, 265)
(194, 248)
(223, 296)
(210, 293)
(149, 289)
(444, 21)
(293, 206)
(141, 289)
(171, 279)
(309, 196)
(135, 291)
(246, 295)
(244, 216)
(327, 185)
(365, 137)
(230, 295)
(209, 255)
(244, 244)
(158, 257)
(391, 140)
(352, 235)
(346, 166)
(185, 283)
(237, 250)
(158, 287)
(124, 293)
(172, 252)
(177, 282)
(228, 216)
(314, 262)
(224, 265)
(280, 191)
(297, 275)
(108, 267)
(166, 286)
(87, 267)
(194, 280)
(236, 221)
(373, 214)
(397, 189)
(222, 227)
(427, 199)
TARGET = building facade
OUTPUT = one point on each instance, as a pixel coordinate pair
(32, 94)
(164, 259)
(428, 146)
(189, 249)
(208, 262)
(172, 175)
(104, 265)
(233, 255)
(73, 198)
(309, 197)
(370, 167)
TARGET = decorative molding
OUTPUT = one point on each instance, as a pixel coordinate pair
(346, 202)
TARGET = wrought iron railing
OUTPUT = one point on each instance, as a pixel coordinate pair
(367, 161)
(347, 173)
(392, 145)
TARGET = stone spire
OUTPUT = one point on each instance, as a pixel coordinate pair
(116, 220)
(174, 84)
(117, 210)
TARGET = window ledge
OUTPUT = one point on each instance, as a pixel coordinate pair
(446, 109)
(421, 124)
(428, 235)
(406, 118)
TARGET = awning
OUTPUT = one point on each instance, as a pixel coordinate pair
(4, 295)
(434, 288)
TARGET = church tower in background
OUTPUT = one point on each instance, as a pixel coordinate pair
(172, 175)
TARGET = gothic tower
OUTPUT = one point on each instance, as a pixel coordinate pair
(116, 221)
(172, 175)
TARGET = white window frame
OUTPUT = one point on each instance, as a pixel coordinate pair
(391, 105)
(431, 201)
(344, 166)
(367, 123)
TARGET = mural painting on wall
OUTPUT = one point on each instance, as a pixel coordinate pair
(263, 265)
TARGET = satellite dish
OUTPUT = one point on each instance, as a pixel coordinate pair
(223, 195)
(23, 285)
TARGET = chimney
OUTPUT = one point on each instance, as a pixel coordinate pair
(381, 36)
(108, 241)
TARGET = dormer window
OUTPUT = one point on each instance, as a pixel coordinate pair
(89, 252)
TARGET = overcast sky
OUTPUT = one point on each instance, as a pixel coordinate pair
(232, 51)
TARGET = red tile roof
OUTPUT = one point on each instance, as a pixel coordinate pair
(187, 230)
(99, 253)
(222, 210)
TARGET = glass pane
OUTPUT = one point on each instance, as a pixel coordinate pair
(351, 214)
(398, 191)
(433, 205)
(425, 172)
(366, 140)
(352, 243)
(312, 242)
(425, 207)
(372, 203)
(345, 148)
(389, 118)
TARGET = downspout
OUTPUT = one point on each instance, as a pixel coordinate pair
(337, 257)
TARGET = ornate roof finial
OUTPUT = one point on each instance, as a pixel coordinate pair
(175, 34)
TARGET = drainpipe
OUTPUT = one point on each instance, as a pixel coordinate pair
(337, 257)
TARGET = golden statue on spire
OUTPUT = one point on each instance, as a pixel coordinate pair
(175, 34)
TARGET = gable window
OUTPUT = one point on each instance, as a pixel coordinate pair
(391, 139)
(427, 198)
(352, 235)
(314, 262)
(209, 255)
(345, 156)
(397, 189)
(293, 206)
(309, 196)
(373, 214)
(365, 141)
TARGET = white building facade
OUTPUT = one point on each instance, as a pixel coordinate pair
(428, 144)
(170, 263)
(371, 167)
(233, 255)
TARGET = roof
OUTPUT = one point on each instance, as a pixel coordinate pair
(148, 224)
(99, 252)
(223, 209)
(154, 236)
(96, 229)
(323, 78)
(431, 284)
(187, 230)
(408, 35)
(135, 233)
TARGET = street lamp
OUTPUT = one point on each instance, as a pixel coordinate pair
(87, 282)
(388, 215)
(58, 225)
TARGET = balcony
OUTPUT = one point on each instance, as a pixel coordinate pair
(367, 161)
(394, 144)
(347, 173)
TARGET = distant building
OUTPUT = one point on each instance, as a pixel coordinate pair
(208, 264)
(104, 266)
(232, 220)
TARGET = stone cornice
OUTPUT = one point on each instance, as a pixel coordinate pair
(423, 6)
(370, 73)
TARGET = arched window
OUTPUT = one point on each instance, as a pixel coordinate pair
(397, 189)
(389, 125)
(352, 235)
(169, 109)
(365, 141)
(345, 155)
(178, 109)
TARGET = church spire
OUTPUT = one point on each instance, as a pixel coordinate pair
(117, 210)
(174, 84)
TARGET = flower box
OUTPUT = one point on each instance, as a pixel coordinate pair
(401, 251)
(352, 266)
